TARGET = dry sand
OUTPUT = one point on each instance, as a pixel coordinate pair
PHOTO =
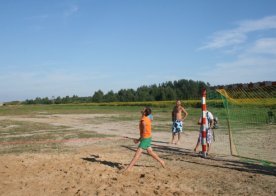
(93, 167)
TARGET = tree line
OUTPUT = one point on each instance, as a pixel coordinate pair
(180, 89)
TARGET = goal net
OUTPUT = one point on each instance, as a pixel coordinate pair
(250, 114)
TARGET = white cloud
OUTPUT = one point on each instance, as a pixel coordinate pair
(242, 71)
(264, 46)
(253, 58)
(225, 38)
(248, 67)
(239, 35)
(265, 23)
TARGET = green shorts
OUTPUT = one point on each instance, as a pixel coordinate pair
(145, 143)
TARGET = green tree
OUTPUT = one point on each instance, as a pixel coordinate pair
(98, 96)
(110, 97)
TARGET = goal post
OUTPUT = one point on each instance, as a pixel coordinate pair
(250, 111)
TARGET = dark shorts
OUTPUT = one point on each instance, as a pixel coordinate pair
(145, 143)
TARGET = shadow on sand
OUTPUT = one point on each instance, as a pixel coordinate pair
(218, 161)
(96, 159)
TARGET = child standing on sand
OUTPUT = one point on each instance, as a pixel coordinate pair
(145, 139)
(177, 121)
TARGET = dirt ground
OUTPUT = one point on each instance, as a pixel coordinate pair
(93, 167)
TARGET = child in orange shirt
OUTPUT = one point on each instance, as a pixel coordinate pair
(145, 140)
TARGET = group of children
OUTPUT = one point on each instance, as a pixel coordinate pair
(145, 138)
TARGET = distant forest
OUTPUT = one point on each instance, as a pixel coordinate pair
(181, 89)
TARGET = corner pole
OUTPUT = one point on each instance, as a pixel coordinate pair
(203, 127)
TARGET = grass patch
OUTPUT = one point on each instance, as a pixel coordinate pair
(31, 110)
(22, 136)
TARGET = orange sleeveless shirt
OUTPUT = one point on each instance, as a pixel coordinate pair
(147, 133)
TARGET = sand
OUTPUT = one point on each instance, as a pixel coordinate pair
(93, 167)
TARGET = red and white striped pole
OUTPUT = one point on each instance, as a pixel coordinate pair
(203, 127)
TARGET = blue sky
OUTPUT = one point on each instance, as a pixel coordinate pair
(76, 47)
